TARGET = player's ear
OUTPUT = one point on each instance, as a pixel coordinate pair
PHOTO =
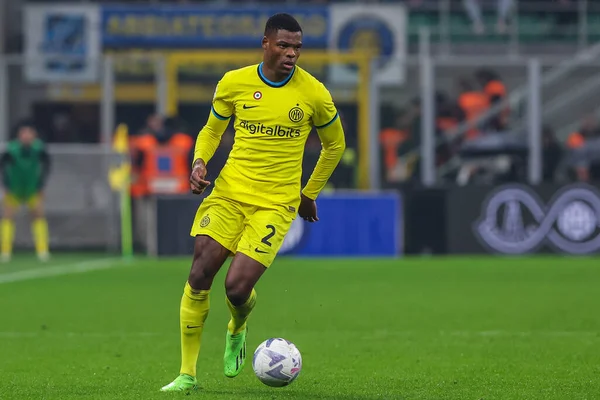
(265, 41)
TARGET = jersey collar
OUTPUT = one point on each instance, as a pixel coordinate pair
(271, 83)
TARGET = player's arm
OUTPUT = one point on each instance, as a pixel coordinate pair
(330, 130)
(209, 137)
(334, 145)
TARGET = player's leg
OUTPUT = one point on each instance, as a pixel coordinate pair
(209, 256)
(39, 227)
(9, 209)
(216, 228)
(263, 235)
(241, 278)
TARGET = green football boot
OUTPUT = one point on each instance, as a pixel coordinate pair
(183, 383)
(235, 353)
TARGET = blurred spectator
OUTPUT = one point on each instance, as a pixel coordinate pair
(161, 158)
(473, 103)
(577, 142)
(494, 89)
(473, 8)
(390, 139)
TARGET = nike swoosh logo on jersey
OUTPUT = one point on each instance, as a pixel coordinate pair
(192, 327)
(247, 107)
(259, 251)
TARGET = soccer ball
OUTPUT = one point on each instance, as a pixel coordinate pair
(277, 362)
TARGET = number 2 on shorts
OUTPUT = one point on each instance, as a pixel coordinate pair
(265, 240)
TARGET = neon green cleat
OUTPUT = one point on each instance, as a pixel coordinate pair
(183, 383)
(235, 353)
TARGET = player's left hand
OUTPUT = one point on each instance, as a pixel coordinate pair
(308, 209)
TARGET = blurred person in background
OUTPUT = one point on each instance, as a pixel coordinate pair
(578, 141)
(404, 138)
(161, 158)
(25, 167)
(473, 104)
(390, 139)
(473, 8)
(495, 90)
(140, 143)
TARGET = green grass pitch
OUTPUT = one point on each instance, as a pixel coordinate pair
(413, 328)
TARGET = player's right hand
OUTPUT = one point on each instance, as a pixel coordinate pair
(197, 182)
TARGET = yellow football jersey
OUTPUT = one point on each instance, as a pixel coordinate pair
(272, 122)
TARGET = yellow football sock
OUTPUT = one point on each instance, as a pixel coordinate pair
(39, 227)
(240, 314)
(8, 234)
(192, 314)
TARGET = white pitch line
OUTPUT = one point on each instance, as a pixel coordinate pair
(68, 269)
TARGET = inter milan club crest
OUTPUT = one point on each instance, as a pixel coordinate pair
(296, 114)
(257, 95)
(205, 221)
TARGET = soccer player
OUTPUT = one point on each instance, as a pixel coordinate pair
(25, 166)
(258, 193)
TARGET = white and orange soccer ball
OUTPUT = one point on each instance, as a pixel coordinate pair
(277, 362)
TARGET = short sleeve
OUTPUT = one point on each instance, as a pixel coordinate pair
(222, 105)
(325, 111)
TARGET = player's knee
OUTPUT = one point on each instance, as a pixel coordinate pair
(207, 262)
(201, 275)
(237, 290)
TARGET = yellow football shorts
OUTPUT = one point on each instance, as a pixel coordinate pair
(13, 201)
(257, 232)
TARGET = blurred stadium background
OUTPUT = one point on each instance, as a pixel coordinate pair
(472, 131)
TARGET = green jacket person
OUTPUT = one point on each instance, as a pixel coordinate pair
(25, 166)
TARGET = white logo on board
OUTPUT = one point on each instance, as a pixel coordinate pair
(570, 222)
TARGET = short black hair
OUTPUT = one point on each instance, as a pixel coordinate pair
(282, 21)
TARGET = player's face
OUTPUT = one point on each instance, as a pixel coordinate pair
(282, 50)
(26, 136)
